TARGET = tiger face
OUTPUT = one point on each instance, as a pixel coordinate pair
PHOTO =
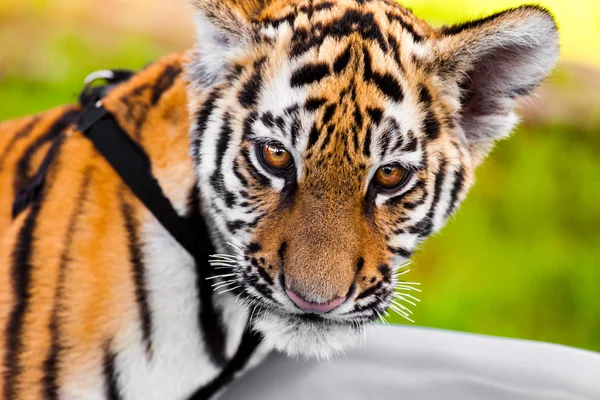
(331, 137)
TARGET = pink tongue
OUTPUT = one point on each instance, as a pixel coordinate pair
(315, 308)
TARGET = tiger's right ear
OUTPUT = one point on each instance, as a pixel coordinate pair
(224, 28)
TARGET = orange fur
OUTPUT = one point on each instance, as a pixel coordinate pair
(97, 290)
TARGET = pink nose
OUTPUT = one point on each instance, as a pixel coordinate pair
(314, 308)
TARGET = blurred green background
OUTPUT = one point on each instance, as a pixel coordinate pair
(521, 259)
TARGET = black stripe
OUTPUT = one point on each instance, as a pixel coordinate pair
(330, 130)
(217, 179)
(263, 273)
(400, 251)
(412, 144)
(386, 272)
(431, 125)
(392, 129)
(202, 123)
(314, 103)
(459, 182)
(423, 228)
(313, 137)
(399, 140)
(394, 201)
(276, 22)
(138, 272)
(295, 130)
(248, 96)
(369, 292)
(51, 366)
(20, 280)
(254, 173)
(360, 264)
(248, 131)
(23, 166)
(164, 82)
(406, 25)
(324, 6)
(238, 174)
(439, 186)
(209, 318)
(111, 380)
(235, 226)
(268, 119)
(308, 74)
(15, 139)
(389, 86)
(396, 48)
(329, 111)
(342, 61)
(358, 117)
(376, 114)
(250, 341)
(425, 95)
(367, 145)
(368, 67)
(352, 22)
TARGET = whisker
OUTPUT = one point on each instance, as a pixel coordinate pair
(220, 285)
(223, 266)
(224, 262)
(220, 276)
(253, 310)
(229, 290)
(238, 242)
(235, 246)
(403, 307)
(402, 314)
(400, 273)
(408, 288)
(403, 296)
(225, 256)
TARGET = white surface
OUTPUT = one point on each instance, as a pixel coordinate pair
(418, 364)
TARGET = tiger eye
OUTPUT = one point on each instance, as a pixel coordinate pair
(390, 176)
(276, 156)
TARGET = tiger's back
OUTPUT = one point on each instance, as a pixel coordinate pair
(74, 288)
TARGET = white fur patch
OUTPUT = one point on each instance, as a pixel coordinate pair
(306, 338)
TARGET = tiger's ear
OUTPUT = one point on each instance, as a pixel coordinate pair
(493, 62)
(224, 28)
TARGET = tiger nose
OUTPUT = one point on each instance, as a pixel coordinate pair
(314, 308)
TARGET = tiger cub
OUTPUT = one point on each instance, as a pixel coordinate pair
(320, 141)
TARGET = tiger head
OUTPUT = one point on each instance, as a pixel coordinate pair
(331, 137)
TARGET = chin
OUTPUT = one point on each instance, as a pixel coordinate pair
(306, 336)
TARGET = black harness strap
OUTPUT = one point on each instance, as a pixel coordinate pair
(132, 164)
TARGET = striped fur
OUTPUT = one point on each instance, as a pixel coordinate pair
(98, 301)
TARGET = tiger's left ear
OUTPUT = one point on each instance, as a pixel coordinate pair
(224, 28)
(493, 62)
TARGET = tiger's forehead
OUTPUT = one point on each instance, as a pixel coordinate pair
(338, 84)
(341, 17)
(345, 89)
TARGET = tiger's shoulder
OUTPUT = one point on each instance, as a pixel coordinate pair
(151, 100)
(64, 276)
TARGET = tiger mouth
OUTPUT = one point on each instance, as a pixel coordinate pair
(294, 324)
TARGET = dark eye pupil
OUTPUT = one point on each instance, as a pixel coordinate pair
(388, 171)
